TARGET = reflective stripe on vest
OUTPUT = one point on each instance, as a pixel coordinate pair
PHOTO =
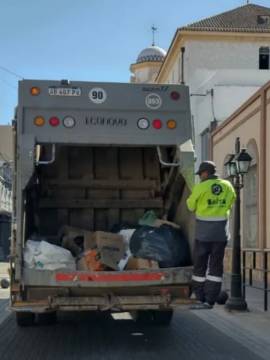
(220, 218)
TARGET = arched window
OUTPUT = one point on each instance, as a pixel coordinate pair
(250, 200)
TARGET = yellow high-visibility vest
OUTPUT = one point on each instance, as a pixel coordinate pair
(212, 199)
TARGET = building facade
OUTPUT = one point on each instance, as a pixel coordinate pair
(251, 124)
(226, 60)
(6, 159)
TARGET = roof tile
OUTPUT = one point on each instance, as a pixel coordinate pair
(247, 18)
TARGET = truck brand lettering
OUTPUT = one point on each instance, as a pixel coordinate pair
(155, 88)
(102, 121)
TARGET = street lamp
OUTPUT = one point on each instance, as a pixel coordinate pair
(230, 166)
(236, 167)
(243, 161)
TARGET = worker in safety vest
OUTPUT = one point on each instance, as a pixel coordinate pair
(211, 200)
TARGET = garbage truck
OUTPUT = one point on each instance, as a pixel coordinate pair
(92, 155)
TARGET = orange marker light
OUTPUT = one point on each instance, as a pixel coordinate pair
(35, 91)
(39, 121)
(171, 124)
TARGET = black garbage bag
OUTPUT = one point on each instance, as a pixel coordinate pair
(165, 244)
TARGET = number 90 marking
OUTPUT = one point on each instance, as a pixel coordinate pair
(97, 95)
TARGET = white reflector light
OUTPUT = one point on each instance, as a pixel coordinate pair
(143, 123)
(69, 122)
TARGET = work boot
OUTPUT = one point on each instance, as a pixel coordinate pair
(201, 306)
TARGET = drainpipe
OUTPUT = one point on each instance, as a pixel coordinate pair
(182, 65)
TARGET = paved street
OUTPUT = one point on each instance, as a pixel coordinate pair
(85, 336)
(209, 335)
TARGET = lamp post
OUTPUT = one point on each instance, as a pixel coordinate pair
(237, 166)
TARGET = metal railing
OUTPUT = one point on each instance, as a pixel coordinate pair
(251, 268)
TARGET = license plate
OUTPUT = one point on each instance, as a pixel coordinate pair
(59, 91)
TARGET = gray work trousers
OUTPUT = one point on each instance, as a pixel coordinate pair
(208, 270)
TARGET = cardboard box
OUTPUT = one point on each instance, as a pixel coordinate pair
(69, 244)
(90, 261)
(72, 233)
(111, 248)
(89, 241)
(141, 264)
(159, 222)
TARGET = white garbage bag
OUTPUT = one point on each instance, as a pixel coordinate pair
(127, 234)
(30, 251)
(42, 255)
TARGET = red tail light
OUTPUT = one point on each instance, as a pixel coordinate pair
(157, 124)
(54, 121)
(175, 95)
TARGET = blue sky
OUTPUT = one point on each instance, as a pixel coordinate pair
(91, 40)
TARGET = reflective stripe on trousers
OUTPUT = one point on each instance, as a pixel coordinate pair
(214, 278)
(198, 278)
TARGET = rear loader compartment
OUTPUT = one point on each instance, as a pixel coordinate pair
(97, 188)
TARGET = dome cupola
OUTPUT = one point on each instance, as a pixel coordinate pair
(151, 54)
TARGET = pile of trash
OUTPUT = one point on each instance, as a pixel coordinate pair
(153, 243)
(42, 255)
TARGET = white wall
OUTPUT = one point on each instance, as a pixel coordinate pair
(228, 98)
(146, 74)
(142, 75)
(231, 69)
(222, 55)
(231, 88)
(216, 55)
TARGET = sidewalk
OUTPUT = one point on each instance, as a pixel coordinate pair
(250, 328)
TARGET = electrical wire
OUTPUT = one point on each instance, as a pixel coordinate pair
(11, 72)
(8, 84)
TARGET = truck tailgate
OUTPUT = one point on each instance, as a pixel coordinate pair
(104, 290)
(59, 278)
